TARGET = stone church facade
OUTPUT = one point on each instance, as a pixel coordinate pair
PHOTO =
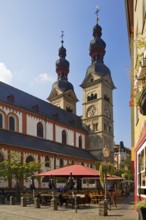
(51, 132)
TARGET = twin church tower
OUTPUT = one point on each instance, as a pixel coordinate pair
(97, 85)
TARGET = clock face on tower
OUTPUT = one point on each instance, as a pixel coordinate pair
(91, 111)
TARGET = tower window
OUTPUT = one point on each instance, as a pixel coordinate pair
(91, 97)
(63, 137)
(11, 123)
(106, 98)
(69, 109)
(39, 129)
(105, 127)
(95, 126)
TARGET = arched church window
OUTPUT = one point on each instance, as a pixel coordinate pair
(47, 161)
(63, 137)
(29, 159)
(11, 123)
(61, 163)
(1, 121)
(1, 157)
(39, 129)
(80, 142)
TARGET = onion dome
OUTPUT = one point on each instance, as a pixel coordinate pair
(97, 45)
(62, 69)
(63, 85)
(62, 65)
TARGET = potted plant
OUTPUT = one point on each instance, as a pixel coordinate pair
(141, 206)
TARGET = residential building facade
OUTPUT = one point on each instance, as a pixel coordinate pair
(136, 22)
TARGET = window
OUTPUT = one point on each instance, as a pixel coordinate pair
(80, 142)
(91, 96)
(39, 129)
(29, 159)
(11, 123)
(61, 163)
(47, 161)
(69, 109)
(105, 127)
(1, 157)
(95, 126)
(1, 121)
(63, 137)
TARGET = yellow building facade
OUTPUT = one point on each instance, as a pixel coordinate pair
(136, 22)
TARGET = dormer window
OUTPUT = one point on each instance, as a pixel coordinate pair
(10, 98)
(35, 108)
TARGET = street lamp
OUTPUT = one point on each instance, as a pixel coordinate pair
(106, 152)
(32, 186)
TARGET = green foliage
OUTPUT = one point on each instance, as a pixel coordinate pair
(13, 168)
(141, 204)
(125, 170)
(104, 169)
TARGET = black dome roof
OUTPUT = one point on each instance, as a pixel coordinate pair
(62, 62)
(97, 43)
(63, 85)
(99, 69)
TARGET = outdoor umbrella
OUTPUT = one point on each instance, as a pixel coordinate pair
(76, 170)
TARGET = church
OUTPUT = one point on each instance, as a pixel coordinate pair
(49, 131)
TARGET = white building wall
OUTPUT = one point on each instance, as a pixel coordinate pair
(49, 131)
(77, 140)
(17, 113)
(69, 135)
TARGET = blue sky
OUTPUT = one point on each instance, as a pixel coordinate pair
(30, 39)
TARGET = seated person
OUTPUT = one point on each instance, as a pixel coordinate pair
(62, 199)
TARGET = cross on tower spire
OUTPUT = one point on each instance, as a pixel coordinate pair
(62, 35)
(96, 12)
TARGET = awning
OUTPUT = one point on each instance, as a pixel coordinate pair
(75, 170)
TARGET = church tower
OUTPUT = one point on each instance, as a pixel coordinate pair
(62, 93)
(97, 98)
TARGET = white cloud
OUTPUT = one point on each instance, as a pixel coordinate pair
(42, 78)
(5, 74)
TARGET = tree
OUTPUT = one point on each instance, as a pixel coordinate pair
(125, 170)
(13, 168)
